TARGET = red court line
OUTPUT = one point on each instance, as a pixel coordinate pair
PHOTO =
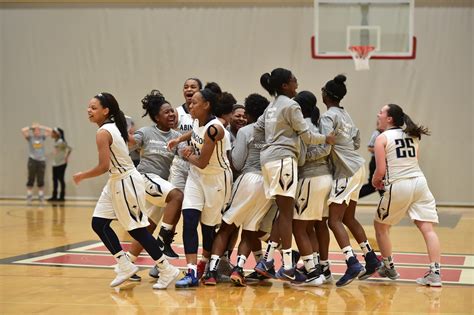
(400, 258)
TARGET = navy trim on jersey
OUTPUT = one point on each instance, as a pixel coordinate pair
(116, 160)
(158, 187)
(140, 213)
(236, 185)
(126, 202)
(305, 205)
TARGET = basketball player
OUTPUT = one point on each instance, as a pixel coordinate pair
(282, 125)
(154, 165)
(314, 185)
(406, 190)
(209, 181)
(348, 177)
(123, 197)
(248, 204)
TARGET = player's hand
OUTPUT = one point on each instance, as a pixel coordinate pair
(378, 183)
(331, 138)
(77, 178)
(172, 143)
(186, 152)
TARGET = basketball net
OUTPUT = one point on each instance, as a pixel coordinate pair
(361, 56)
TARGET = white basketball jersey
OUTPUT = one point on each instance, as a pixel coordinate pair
(185, 121)
(120, 161)
(219, 161)
(401, 155)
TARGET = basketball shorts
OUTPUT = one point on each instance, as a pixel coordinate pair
(411, 196)
(311, 198)
(123, 199)
(208, 193)
(179, 173)
(280, 178)
(157, 189)
(248, 204)
(154, 213)
(346, 189)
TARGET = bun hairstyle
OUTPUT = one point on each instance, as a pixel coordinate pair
(272, 82)
(336, 88)
(214, 87)
(307, 101)
(60, 133)
(400, 119)
(210, 97)
(255, 105)
(225, 104)
(107, 100)
(152, 103)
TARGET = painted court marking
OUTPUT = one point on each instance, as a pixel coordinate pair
(456, 268)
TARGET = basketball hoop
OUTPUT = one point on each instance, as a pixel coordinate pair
(361, 56)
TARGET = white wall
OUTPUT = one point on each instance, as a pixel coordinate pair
(54, 58)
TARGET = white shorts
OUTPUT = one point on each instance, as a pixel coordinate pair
(154, 213)
(280, 178)
(208, 193)
(123, 199)
(410, 195)
(347, 189)
(267, 221)
(248, 204)
(311, 198)
(157, 189)
(179, 173)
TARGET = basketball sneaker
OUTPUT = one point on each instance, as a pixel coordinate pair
(255, 277)
(29, 200)
(167, 275)
(165, 239)
(124, 269)
(154, 272)
(354, 269)
(286, 274)
(328, 278)
(201, 268)
(188, 281)
(431, 278)
(372, 263)
(237, 277)
(210, 277)
(135, 278)
(385, 272)
(266, 268)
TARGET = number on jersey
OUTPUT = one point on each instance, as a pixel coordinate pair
(405, 148)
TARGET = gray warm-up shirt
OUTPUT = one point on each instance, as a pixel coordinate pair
(246, 150)
(155, 157)
(283, 124)
(316, 157)
(344, 159)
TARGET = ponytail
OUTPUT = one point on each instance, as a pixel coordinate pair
(400, 119)
(107, 100)
(273, 82)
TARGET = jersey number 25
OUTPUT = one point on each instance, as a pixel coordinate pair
(405, 148)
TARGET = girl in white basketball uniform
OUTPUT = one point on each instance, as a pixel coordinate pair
(123, 197)
(208, 185)
(282, 125)
(406, 190)
(180, 168)
(348, 178)
(314, 185)
(155, 163)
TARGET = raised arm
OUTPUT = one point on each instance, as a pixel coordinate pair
(381, 164)
(25, 131)
(174, 142)
(103, 140)
(213, 134)
(299, 125)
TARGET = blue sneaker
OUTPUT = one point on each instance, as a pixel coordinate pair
(300, 276)
(266, 268)
(286, 275)
(188, 281)
(372, 263)
(354, 269)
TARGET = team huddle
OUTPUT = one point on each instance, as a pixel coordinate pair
(269, 170)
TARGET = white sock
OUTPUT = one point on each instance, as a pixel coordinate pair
(324, 264)
(241, 259)
(287, 258)
(388, 262)
(214, 262)
(348, 252)
(193, 268)
(316, 258)
(166, 226)
(308, 262)
(270, 250)
(365, 246)
(435, 267)
(119, 255)
(162, 263)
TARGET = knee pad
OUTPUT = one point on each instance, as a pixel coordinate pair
(98, 224)
(208, 235)
(190, 236)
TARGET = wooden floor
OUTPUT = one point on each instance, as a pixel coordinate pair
(51, 262)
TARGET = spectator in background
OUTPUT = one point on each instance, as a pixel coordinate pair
(61, 155)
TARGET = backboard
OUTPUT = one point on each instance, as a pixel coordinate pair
(386, 25)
